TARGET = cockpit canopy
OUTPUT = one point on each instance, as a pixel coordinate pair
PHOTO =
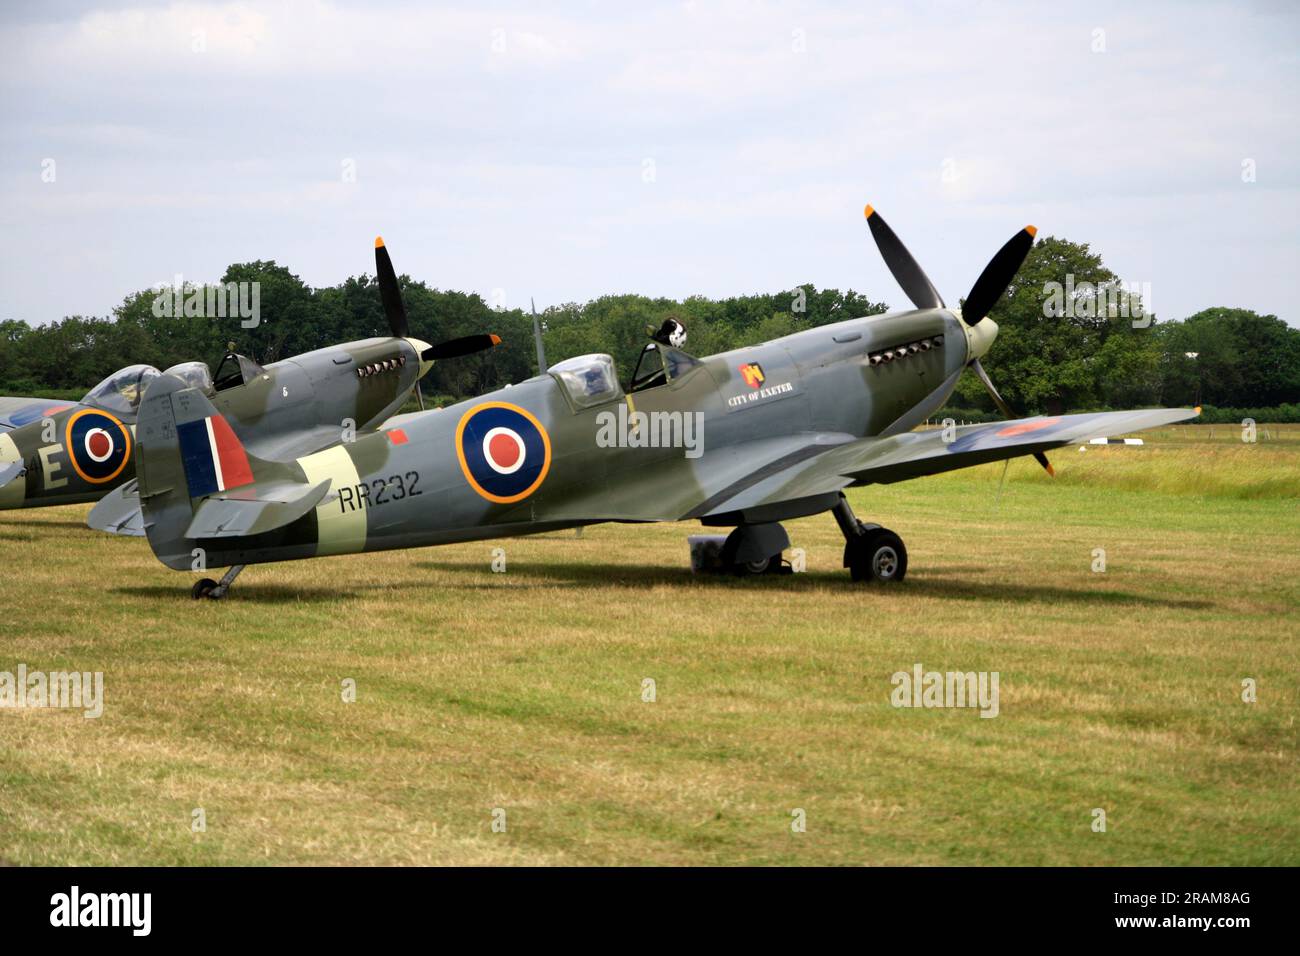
(588, 379)
(194, 374)
(236, 369)
(660, 364)
(676, 362)
(121, 392)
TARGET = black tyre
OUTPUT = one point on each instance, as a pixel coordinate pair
(203, 588)
(878, 555)
(762, 566)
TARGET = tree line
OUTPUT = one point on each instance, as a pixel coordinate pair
(1093, 349)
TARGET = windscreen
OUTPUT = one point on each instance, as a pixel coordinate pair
(588, 379)
(121, 392)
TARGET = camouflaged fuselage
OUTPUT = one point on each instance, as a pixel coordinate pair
(444, 476)
(293, 406)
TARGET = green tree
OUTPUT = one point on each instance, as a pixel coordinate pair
(1064, 341)
(1243, 359)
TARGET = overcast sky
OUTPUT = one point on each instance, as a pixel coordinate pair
(571, 150)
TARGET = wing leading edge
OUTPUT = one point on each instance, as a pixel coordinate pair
(915, 454)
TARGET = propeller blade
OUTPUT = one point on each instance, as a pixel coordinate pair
(419, 395)
(1003, 407)
(389, 292)
(454, 348)
(910, 277)
(997, 275)
(998, 400)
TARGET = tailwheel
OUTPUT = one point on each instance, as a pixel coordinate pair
(755, 549)
(215, 590)
(877, 554)
(203, 588)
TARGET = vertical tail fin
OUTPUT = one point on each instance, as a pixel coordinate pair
(202, 496)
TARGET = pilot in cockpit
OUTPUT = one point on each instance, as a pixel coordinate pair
(671, 333)
(650, 369)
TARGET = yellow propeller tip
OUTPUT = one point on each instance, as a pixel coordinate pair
(868, 211)
(1050, 470)
(379, 242)
(1197, 409)
(1032, 230)
(496, 339)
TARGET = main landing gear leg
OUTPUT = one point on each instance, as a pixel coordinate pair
(871, 553)
(216, 590)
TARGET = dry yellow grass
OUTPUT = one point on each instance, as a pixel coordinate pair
(523, 691)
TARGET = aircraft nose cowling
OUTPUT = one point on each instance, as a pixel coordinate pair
(420, 348)
(979, 338)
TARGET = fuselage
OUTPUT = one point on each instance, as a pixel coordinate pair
(313, 397)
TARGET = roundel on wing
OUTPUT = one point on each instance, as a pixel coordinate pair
(504, 451)
(98, 445)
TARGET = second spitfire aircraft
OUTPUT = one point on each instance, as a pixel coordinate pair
(57, 453)
(789, 424)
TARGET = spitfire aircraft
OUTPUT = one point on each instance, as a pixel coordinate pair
(57, 453)
(42, 463)
(786, 426)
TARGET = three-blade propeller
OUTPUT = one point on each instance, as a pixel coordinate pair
(390, 293)
(984, 294)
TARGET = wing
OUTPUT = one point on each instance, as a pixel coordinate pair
(11, 471)
(914, 454)
(17, 412)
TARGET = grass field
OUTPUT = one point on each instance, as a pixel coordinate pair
(1119, 690)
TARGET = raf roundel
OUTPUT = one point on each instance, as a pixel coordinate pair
(504, 451)
(98, 444)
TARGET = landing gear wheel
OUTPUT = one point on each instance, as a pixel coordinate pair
(753, 549)
(216, 590)
(877, 555)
